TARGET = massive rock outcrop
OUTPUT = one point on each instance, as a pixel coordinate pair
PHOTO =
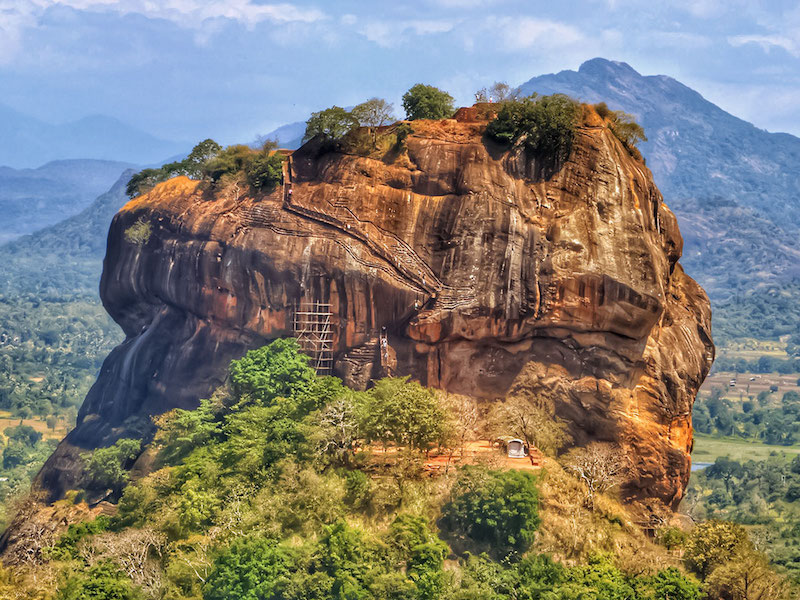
(454, 261)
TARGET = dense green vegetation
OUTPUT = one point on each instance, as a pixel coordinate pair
(54, 333)
(262, 169)
(762, 495)
(762, 313)
(767, 416)
(251, 497)
(427, 102)
(543, 125)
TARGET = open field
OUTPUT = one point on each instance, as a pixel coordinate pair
(752, 349)
(744, 387)
(39, 424)
(707, 448)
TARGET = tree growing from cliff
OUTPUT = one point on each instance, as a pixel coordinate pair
(265, 171)
(543, 125)
(427, 102)
(106, 468)
(374, 113)
(331, 124)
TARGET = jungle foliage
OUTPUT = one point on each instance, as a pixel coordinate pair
(250, 497)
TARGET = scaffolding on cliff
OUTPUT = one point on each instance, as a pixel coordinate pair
(314, 333)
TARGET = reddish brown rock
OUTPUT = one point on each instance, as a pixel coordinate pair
(473, 266)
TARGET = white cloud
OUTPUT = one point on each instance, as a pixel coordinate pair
(14, 18)
(768, 42)
(392, 33)
(17, 16)
(526, 32)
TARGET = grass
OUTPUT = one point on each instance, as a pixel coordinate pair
(38, 423)
(707, 448)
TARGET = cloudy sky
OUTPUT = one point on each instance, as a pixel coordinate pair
(188, 69)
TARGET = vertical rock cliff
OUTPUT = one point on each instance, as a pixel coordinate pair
(453, 261)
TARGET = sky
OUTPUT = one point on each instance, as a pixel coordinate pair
(233, 69)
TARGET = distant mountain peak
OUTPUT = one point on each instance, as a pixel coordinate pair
(607, 68)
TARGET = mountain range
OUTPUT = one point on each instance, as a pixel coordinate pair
(31, 199)
(30, 142)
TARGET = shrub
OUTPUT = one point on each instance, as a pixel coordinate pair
(623, 126)
(427, 102)
(103, 581)
(671, 584)
(671, 537)
(401, 132)
(231, 160)
(543, 125)
(265, 171)
(139, 233)
(192, 166)
(497, 507)
(106, 467)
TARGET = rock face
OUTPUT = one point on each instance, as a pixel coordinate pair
(453, 261)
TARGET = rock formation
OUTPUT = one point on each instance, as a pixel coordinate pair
(451, 260)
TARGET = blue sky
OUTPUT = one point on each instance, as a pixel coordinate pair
(231, 69)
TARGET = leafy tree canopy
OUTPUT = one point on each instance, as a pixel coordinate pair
(427, 102)
(332, 124)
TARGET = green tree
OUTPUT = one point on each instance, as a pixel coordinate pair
(231, 160)
(276, 370)
(253, 568)
(103, 581)
(143, 181)
(14, 455)
(543, 125)
(497, 507)
(332, 124)
(106, 468)
(671, 584)
(374, 113)
(403, 412)
(427, 102)
(182, 431)
(712, 543)
(23, 434)
(199, 156)
(412, 538)
(265, 171)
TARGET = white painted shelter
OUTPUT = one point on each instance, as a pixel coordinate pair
(516, 449)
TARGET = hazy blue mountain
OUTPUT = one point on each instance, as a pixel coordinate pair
(289, 136)
(734, 187)
(65, 259)
(31, 199)
(29, 142)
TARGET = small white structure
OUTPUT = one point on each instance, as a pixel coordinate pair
(516, 449)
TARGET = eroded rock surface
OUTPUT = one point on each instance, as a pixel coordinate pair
(450, 263)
